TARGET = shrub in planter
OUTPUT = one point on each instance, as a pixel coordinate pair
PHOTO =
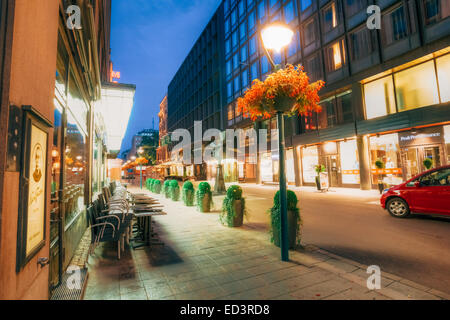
(204, 197)
(188, 194)
(380, 166)
(165, 189)
(428, 163)
(294, 220)
(233, 208)
(174, 190)
(319, 169)
(147, 184)
(156, 186)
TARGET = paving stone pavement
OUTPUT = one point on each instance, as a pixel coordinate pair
(203, 260)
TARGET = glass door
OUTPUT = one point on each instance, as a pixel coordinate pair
(411, 162)
(434, 154)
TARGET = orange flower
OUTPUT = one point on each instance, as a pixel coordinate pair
(287, 90)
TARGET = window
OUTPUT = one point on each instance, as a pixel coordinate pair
(328, 116)
(237, 85)
(379, 97)
(244, 76)
(330, 16)
(416, 87)
(309, 32)
(310, 159)
(277, 58)
(230, 112)
(226, 6)
(229, 89)
(234, 39)
(233, 17)
(305, 4)
(241, 7)
(443, 68)
(436, 10)
(227, 25)
(254, 71)
(349, 162)
(360, 44)
(440, 178)
(227, 46)
(352, 7)
(251, 21)
(236, 61)
(344, 107)
(264, 65)
(252, 46)
(229, 67)
(394, 26)
(243, 31)
(289, 11)
(294, 46)
(335, 56)
(314, 68)
(244, 54)
(262, 11)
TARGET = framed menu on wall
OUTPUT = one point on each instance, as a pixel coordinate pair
(33, 186)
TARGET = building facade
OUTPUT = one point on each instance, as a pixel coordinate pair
(55, 152)
(386, 96)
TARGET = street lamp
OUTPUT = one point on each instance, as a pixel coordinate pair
(276, 37)
(140, 152)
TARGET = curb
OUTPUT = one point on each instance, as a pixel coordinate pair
(351, 276)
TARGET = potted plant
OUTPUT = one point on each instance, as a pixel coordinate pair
(233, 208)
(174, 190)
(379, 164)
(319, 169)
(165, 189)
(148, 184)
(156, 186)
(428, 163)
(287, 91)
(204, 197)
(294, 220)
(188, 194)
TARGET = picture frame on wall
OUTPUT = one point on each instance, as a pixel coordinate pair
(32, 222)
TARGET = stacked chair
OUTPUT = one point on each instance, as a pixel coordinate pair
(113, 216)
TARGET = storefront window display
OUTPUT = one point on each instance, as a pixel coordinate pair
(266, 167)
(310, 159)
(443, 69)
(447, 142)
(290, 172)
(349, 162)
(76, 166)
(386, 148)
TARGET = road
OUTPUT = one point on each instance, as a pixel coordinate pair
(350, 223)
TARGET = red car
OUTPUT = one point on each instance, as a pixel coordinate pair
(429, 193)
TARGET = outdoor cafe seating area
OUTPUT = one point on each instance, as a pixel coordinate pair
(124, 218)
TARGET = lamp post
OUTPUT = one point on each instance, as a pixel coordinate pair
(276, 37)
(140, 152)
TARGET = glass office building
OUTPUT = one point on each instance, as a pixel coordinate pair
(381, 85)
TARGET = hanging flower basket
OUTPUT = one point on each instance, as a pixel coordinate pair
(287, 90)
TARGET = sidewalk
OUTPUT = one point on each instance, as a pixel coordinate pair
(203, 260)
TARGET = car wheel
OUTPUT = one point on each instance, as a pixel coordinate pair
(398, 208)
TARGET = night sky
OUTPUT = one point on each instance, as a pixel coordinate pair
(149, 41)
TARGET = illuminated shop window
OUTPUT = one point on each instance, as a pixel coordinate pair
(443, 68)
(386, 148)
(379, 98)
(349, 162)
(416, 87)
(310, 159)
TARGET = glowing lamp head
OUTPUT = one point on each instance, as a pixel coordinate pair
(277, 36)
